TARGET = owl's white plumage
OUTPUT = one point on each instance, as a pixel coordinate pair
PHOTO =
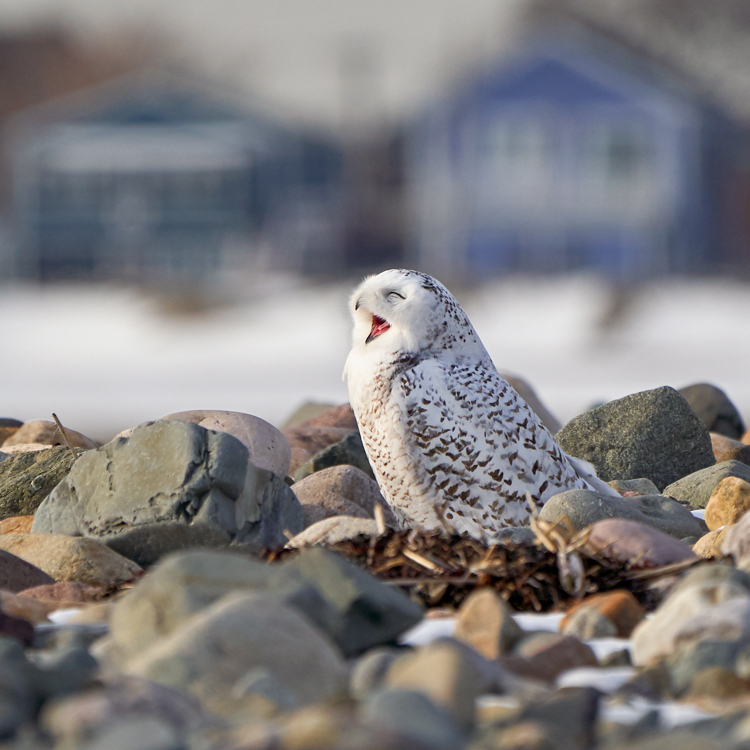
(450, 442)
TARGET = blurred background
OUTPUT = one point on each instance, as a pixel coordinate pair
(189, 190)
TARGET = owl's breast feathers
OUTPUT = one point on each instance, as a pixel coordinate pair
(464, 447)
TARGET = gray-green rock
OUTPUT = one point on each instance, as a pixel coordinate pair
(362, 612)
(27, 478)
(653, 434)
(173, 472)
(216, 648)
(585, 507)
(347, 451)
(695, 489)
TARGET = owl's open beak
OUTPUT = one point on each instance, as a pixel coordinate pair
(378, 326)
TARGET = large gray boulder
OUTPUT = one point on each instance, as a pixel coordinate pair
(172, 472)
(653, 434)
(584, 508)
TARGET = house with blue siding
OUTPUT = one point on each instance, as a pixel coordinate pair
(572, 155)
(152, 178)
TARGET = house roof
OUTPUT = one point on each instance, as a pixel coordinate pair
(705, 43)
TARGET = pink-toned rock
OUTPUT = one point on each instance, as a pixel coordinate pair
(547, 657)
(339, 491)
(726, 449)
(17, 574)
(67, 592)
(16, 524)
(634, 543)
(27, 609)
(8, 427)
(305, 442)
(337, 416)
(42, 431)
(268, 447)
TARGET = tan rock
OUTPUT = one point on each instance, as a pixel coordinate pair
(42, 431)
(27, 609)
(485, 621)
(8, 427)
(335, 416)
(14, 450)
(16, 524)
(709, 545)
(72, 558)
(729, 501)
(621, 608)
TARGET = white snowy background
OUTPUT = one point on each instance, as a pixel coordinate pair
(107, 358)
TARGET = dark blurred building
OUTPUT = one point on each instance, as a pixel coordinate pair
(151, 178)
(573, 155)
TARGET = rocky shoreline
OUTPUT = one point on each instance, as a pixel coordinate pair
(206, 580)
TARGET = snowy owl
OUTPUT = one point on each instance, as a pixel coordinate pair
(450, 442)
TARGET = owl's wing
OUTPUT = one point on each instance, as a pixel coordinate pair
(476, 445)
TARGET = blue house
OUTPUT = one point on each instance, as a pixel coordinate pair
(150, 178)
(570, 156)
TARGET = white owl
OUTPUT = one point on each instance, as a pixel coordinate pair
(450, 442)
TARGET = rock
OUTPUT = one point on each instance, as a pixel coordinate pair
(717, 683)
(16, 525)
(65, 593)
(528, 394)
(15, 627)
(305, 442)
(16, 574)
(588, 623)
(444, 674)
(726, 620)
(126, 714)
(340, 491)
(547, 657)
(640, 486)
(42, 431)
(714, 409)
(148, 543)
(693, 658)
(8, 427)
(15, 450)
(585, 507)
(4, 456)
(333, 416)
(67, 558)
(729, 501)
(696, 489)
(653, 434)
(709, 545)
(640, 546)
(177, 588)
(370, 670)
(737, 540)
(364, 612)
(620, 608)
(727, 449)
(347, 451)
(701, 590)
(267, 447)
(26, 479)
(215, 648)
(333, 530)
(175, 472)
(485, 622)
(23, 607)
(569, 717)
(411, 715)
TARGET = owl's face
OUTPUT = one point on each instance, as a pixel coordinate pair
(401, 312)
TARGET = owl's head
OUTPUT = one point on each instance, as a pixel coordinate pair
(406, 312)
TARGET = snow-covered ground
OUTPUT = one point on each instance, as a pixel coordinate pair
(106, 358)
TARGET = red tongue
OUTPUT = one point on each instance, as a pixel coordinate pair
(378, 326)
